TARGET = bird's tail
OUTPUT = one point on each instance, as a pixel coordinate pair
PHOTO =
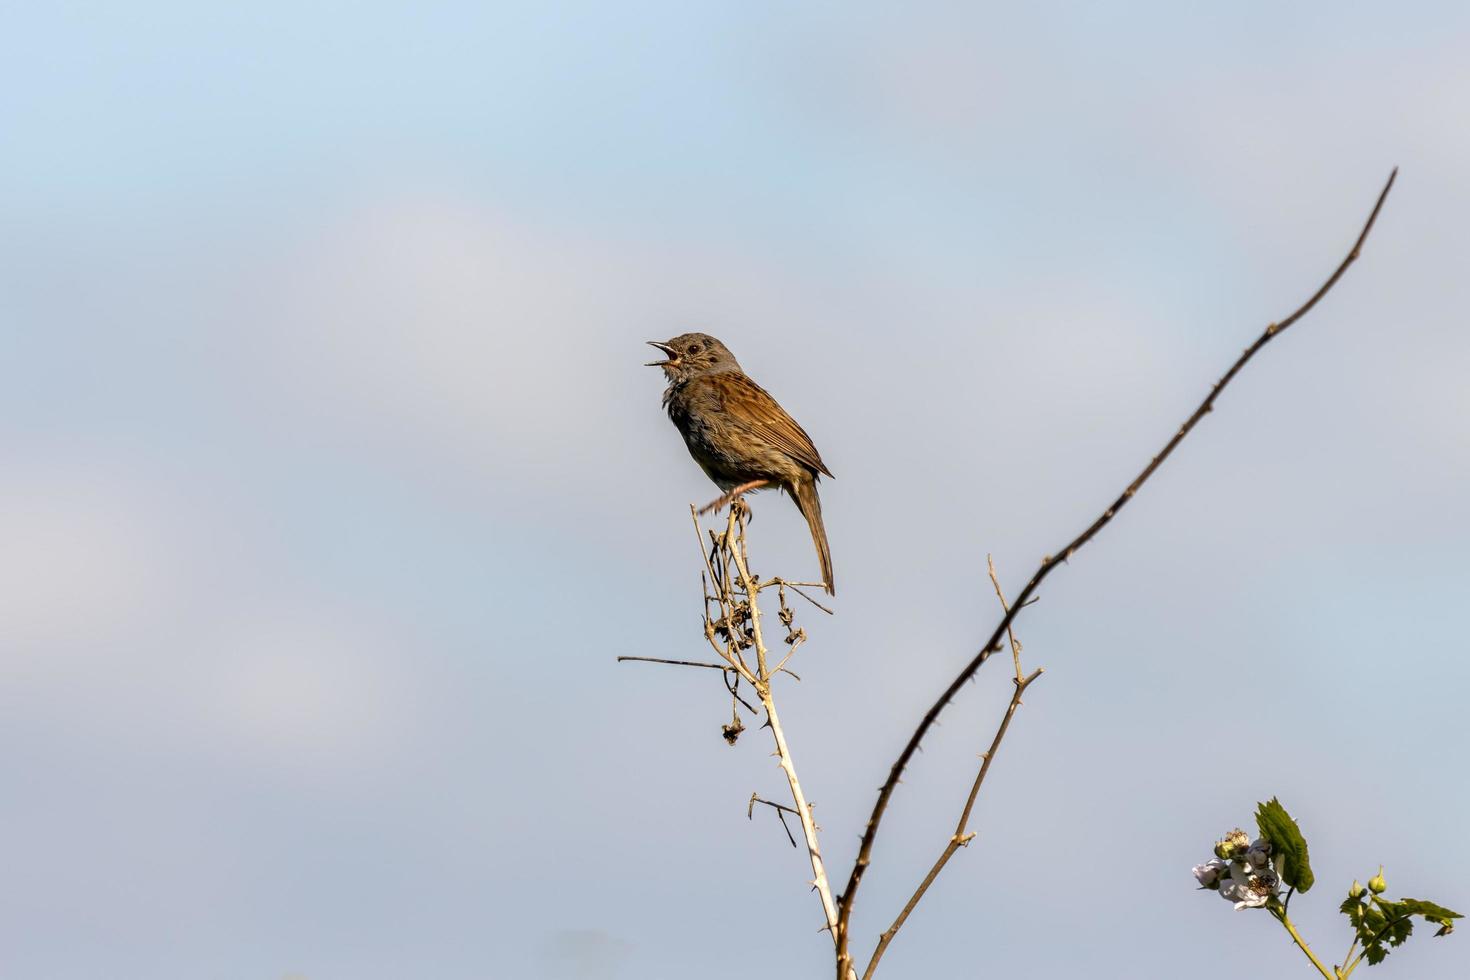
(811, 508)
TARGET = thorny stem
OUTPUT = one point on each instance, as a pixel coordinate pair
(730, 547)
(735, 543)
(1280, 912)
(961, 838)
(1048, 563)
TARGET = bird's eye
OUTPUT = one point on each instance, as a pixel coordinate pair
(694, 348)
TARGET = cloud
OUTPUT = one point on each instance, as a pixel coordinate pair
(422, 318)
(88, 552)
(432, 325)
(303, 690)
(429, 326)
(129, 615)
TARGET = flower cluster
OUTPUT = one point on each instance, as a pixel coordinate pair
(1242, 872)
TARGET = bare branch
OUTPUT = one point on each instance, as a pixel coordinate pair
(732, 684)
(678, 663)
(736, 627)
(797, 587)
(1005, 608)
(719, 580)
(870, 832)
(736, 533)
(781, 812)
(961, 836)
(755, 798)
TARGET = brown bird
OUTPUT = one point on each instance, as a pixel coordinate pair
(737, 433)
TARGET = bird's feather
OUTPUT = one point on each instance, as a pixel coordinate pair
(753, 409)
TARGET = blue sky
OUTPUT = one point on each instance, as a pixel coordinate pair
(334, 483)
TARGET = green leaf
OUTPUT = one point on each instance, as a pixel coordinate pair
(1391, 909)
(1381, 922)
(1286, 840)
(1434, 913)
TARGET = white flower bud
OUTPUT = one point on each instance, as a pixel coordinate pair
(1208, 874)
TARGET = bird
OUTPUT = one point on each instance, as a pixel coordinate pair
(738, 434)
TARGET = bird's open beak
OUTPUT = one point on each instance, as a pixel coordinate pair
(666, 349)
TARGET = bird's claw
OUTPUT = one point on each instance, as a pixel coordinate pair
(738, 507)
(733, 498)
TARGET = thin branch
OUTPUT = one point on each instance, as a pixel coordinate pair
(961, 836)
(679, 663)
(870, 832)
(1345, 969)
(781, 812)
(1005, 608)
(781, 667)
(796, 587)
(733, 686)
(730, 683)
(726, 612)
(735, 532)
(755, 798)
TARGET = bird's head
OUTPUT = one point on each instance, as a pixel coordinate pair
(690, 355)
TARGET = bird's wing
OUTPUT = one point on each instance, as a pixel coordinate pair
(749, 405)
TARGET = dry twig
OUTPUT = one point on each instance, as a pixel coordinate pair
(733, 628)
(676, 663)
(781, 812)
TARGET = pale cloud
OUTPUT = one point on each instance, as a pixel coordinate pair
(124, 611)
(304, 691)
(88, 552)
(428, 317)
(427, 323)
(435, 326)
